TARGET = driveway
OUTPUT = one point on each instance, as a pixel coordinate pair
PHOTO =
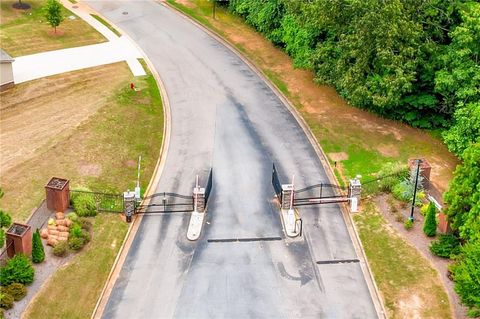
(225, 116)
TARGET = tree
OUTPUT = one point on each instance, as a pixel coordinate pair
(38, 253)
(463, 196)
(53, 13)
(18, 269)
(466, 274)
(465, 130)
(430, 223)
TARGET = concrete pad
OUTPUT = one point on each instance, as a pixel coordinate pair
(195, 225)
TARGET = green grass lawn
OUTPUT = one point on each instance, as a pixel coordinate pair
(409, 285)
(73, 290)
(24, 32)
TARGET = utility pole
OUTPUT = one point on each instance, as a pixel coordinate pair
(415, 189)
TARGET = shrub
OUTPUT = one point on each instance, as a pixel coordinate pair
(38, 253)
(18, 269)
(76, 231)
(6, 301)
(5, 219)
(408, 224)
(85, 223)
(60, 249)
(430, 223)
(76, 243)
(423, 209)
(2, 238)
(72, 216)
(84, 205)
(16, 290)
(390, 175)
(86, 236)
(446, 246)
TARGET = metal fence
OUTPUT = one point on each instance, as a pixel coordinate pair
(105, 202)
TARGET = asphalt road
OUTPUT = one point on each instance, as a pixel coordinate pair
(224, 116)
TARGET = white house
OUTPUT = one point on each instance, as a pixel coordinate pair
(6, 71)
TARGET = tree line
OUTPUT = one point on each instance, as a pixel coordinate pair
(417, 61)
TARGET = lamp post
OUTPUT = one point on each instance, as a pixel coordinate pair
(415, 189)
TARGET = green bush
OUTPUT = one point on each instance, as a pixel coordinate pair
(38, 253)
(76, 231)
(16, 290)
(430, 223)
(72, 216)
(76, 243)
(2, 238)
(390, 175)
(61, 249)
(408, 224)
(446, 246)
(5, 219)
(424, 209)
(18, 269)
(86, 236)
(6, 301)
(85, 223)
(84, 205)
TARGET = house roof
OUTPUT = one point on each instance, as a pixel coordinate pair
(4, 57)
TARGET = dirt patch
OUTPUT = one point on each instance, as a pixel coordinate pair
(337, 157)
(58, 33)
(130, 163)
(37, 114)
(410, 306)
(90, 169)
(388, 150)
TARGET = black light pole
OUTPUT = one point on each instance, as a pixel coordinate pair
(214, 6)
(415, 189)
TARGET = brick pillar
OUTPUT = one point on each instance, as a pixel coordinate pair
(129, 205)
(199, 198)
(19, 240)
(355, 189)
(443, 223)
(287, 193)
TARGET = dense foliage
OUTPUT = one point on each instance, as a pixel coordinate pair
(463, 210)
(446, 246)
(416, 60)
(18, 269)
(430, 223)
(463, 196)
(38, 252)
(466, 273)
(16, 290)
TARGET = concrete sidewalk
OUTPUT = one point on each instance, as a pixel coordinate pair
(117, 49)
(35, 66)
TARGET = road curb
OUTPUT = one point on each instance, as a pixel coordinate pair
(372, 286)
(123, 251)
